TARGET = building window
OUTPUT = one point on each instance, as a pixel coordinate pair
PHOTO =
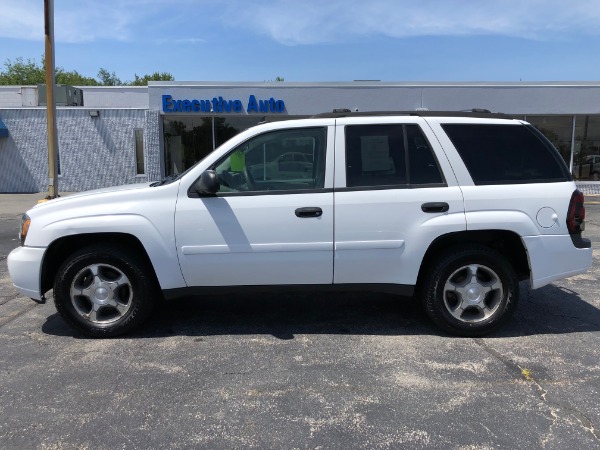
(188, 139)
(558, 130)
(586, 158)
(58, 172)
(139, 151)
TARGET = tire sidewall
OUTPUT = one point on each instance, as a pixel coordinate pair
(447, 265)
(141, 294)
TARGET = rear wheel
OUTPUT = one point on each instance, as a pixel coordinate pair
(470, 291)
(104, 290)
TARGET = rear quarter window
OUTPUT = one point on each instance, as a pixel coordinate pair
(506, 154)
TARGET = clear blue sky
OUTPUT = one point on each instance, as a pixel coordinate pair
(315, 40)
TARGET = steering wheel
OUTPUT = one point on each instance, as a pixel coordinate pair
(227, 179)
(249, 179)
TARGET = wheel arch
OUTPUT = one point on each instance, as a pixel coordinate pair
(508, 243)
(60, 249)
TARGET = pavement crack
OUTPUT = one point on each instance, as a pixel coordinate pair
(9, 318)
(5, 300)
(554, 406)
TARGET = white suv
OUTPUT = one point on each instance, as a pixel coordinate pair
(455, 208)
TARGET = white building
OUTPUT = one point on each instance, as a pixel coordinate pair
(138, 134)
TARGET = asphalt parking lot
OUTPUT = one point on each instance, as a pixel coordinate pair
(302, 371)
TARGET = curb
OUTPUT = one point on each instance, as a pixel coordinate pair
(595, 199)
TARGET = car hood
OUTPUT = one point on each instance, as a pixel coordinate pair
(89, 195)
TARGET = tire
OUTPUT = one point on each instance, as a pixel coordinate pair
(105, 290)
(595, 176)
(470, 291)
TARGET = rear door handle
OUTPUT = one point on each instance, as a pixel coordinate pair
(310, 211)
(434, 207)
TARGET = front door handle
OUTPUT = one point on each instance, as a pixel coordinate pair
(311, 211)
(434, 207)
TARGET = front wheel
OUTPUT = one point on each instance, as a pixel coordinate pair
(470, 291)
(104, 290)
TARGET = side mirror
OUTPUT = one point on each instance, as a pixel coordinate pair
(207, 184)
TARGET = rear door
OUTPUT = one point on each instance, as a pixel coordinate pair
(394, 194)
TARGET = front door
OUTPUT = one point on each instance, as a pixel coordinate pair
(271, 222)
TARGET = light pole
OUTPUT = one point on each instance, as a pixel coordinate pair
(212, 127)
(50, 104)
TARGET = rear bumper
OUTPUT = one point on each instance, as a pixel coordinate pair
(552, 258)
(24, 267)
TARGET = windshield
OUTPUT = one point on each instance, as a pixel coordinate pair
(171, 178)
(176, 176)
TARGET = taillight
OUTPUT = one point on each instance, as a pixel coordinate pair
(576, 214)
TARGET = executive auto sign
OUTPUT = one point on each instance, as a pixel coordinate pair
(221, 105)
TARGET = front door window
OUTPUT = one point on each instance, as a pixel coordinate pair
(291, 159)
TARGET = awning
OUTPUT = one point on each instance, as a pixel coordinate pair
(3, 129)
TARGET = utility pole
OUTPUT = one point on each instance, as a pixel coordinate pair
(50, 104)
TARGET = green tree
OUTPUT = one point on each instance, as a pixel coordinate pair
(73, 78)
(109, 78)
(20, 72)
(156, 76)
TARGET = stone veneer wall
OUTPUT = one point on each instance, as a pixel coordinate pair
(95, 152)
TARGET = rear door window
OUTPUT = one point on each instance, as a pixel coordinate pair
(390, 155)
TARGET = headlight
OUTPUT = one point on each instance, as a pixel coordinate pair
(24, 228)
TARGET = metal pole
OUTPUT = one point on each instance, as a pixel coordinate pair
(50, 105)
(213, 131)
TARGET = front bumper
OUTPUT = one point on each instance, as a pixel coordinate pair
(24, 267)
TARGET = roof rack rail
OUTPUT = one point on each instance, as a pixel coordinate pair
(475, 113)
(274, 118)
(477, 110)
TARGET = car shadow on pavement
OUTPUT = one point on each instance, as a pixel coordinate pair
(549, 310)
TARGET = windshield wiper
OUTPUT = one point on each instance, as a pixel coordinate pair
(166, 180)
(170, 178)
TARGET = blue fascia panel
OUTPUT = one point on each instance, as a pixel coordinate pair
(3, 129)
